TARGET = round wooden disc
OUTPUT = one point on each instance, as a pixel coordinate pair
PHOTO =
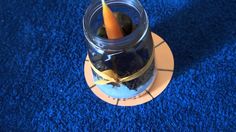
(164, 63)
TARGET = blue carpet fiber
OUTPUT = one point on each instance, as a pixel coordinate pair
(42, 84)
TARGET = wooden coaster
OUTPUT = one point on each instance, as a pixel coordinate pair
(164, 63)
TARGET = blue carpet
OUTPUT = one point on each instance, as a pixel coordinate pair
(42, 86)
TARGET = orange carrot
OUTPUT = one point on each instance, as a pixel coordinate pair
(112, 26)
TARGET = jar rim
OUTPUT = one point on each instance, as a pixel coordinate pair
(116, 44)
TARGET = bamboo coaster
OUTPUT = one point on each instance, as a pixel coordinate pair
(164, 64)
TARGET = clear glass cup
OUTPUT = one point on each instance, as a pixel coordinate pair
(125, 56)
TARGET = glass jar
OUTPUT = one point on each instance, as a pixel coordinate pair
(124, 56)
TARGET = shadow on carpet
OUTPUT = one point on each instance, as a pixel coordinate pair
(198, 31)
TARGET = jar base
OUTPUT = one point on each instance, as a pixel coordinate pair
(164, 65)
(123, 92)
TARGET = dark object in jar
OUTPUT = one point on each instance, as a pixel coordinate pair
(102, 32)
(125, 23)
